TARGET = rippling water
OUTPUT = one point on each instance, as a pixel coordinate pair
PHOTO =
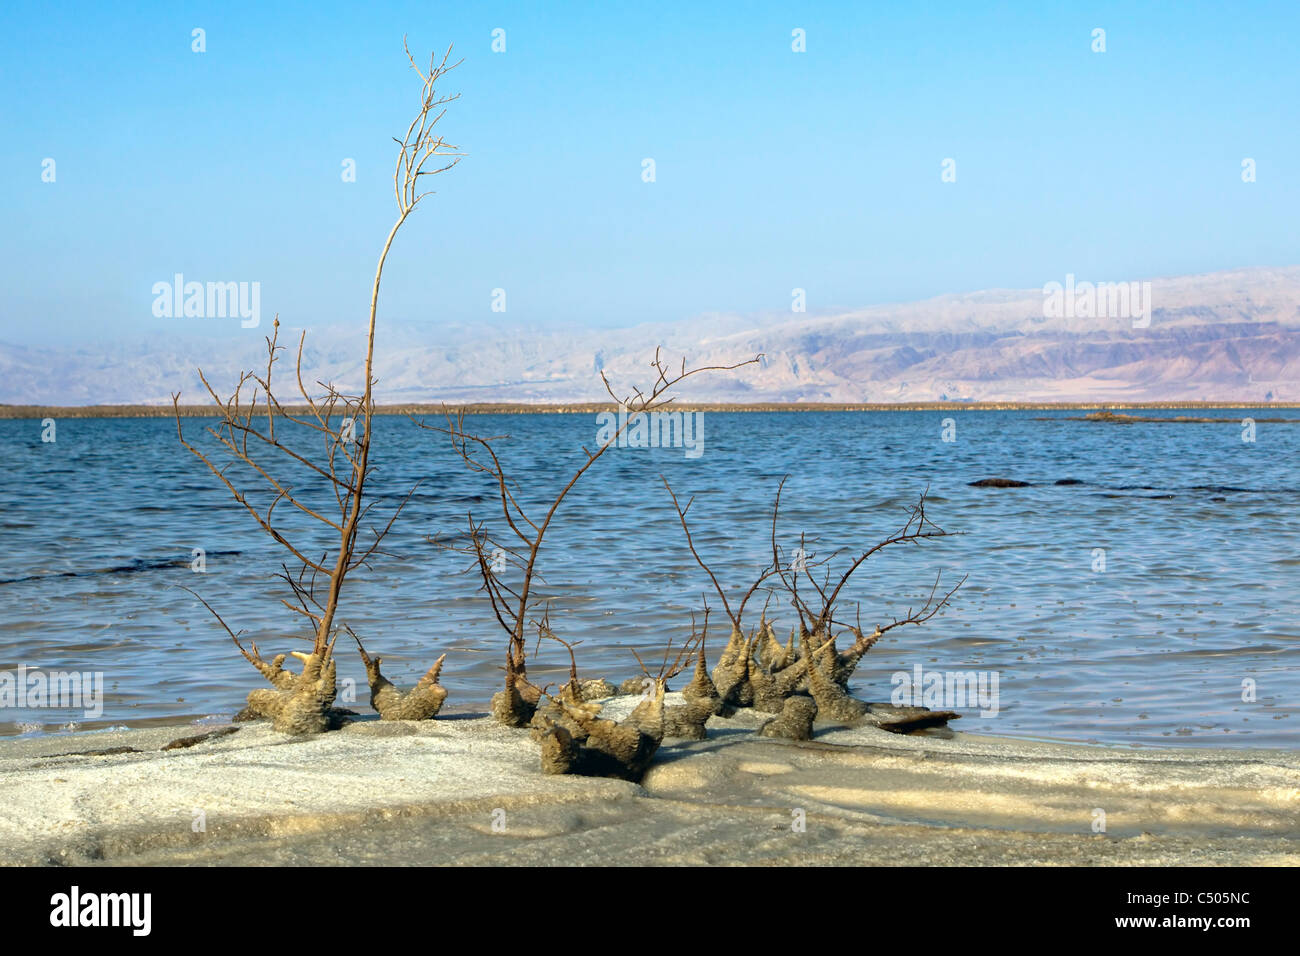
(1198, 595)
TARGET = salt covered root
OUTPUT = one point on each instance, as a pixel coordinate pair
(578, 741)
(835, 704)
(300, 703)
(775, 672)
(422, 702)
(274, 671)
(702, 702)
(796, 720)
(833, 701)
(847, 661)
(731, 676)
(771, 655)
(597, 689)
(516, 705)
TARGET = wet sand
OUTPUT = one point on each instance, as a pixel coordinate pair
(469, 791)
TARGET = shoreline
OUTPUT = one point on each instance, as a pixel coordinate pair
(193, 724)
(591, 408)
(464, 789)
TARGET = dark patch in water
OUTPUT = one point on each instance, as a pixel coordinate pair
(134, 567)
(999, 483)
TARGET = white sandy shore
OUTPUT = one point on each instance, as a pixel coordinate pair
(469, 791)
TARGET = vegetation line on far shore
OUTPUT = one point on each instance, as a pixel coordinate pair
(581, 408)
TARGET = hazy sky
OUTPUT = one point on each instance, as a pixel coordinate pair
(773, 169)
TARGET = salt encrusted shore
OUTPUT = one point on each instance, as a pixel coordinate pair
(467, 790)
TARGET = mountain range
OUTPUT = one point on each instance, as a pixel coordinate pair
(1225, 336)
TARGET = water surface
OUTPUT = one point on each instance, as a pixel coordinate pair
(1198, 597)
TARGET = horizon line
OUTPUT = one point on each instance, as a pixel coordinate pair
(16, 412)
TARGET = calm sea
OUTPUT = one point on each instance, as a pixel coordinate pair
(1154, 602)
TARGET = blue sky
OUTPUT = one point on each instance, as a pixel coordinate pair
(774, 169)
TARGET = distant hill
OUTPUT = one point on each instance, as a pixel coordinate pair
(1227, 336)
